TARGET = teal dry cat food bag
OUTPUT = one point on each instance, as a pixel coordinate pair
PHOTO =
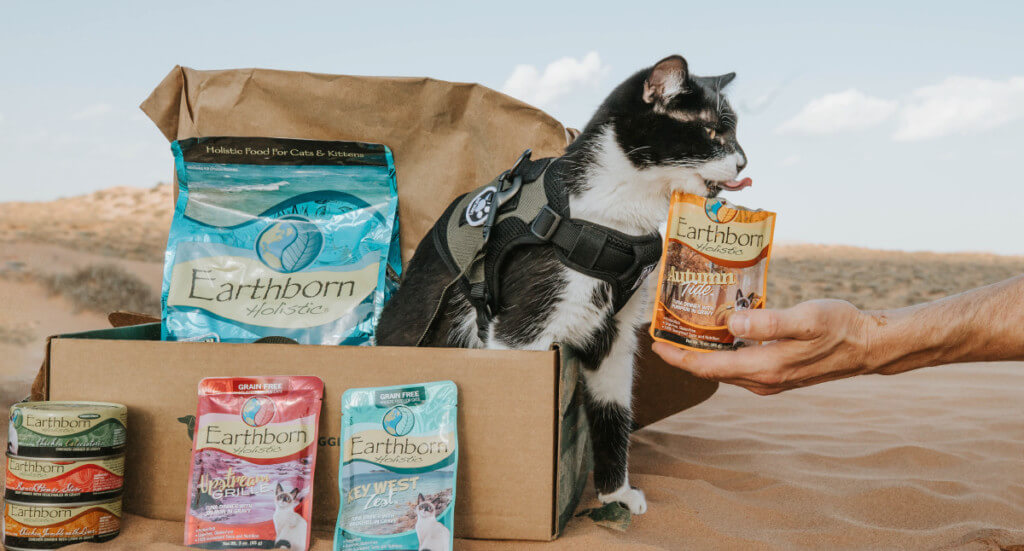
(397, 474)
(283, 237)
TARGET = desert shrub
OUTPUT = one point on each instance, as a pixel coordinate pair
(104, 288)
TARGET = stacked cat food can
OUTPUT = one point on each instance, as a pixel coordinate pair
(65, 473)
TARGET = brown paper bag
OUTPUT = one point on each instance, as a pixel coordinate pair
(447, 138)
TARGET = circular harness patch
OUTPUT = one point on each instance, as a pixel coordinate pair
(480, 206)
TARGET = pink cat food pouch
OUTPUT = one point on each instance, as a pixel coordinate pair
(253, 454)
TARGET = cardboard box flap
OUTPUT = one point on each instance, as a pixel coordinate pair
(661, 390)
(41, 384)
(124, 319)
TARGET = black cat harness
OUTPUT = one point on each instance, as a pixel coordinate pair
(528, 205)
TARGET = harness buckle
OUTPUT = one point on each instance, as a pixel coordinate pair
(545, 223)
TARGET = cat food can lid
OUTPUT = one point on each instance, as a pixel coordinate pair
(115, 457)
(63, 430)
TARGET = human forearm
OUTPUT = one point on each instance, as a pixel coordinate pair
(985, 324)
(823, 340)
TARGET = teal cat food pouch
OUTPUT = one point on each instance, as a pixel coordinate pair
(397, 473)
(282, 237)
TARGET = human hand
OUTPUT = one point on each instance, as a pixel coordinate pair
(814, 342)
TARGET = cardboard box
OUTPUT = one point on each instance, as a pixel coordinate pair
(523, 442)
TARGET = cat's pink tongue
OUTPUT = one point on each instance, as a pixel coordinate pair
(733, 185)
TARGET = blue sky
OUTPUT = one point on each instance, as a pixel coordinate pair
(879, 124)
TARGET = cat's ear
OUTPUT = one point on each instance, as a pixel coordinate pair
(739, 294)
(750, 297)
(279, 489)
(725, 79)
(420, 499)
(295, 492)
(667, 80)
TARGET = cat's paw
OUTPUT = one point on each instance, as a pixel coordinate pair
(632, 498)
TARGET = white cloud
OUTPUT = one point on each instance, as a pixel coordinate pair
(558, 79)
(94, 111)
(960, 105)
(831, 113)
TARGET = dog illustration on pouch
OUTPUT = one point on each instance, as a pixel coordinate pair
(663, 129)
(289, 526)
(433, 536)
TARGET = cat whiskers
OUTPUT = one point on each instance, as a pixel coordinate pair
(635, 149)
(682, 164)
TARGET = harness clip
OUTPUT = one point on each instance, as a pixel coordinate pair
(501, 196)
(524, 157)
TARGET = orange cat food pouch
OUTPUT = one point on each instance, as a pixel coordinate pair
(715, 263)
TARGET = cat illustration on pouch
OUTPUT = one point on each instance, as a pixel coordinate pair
(433, 536)
(289, 526)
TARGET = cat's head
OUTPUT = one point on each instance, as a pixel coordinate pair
(744, 302)
(425, 508)
(283, 499)
(673, 128)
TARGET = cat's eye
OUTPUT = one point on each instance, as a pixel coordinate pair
(710, 131)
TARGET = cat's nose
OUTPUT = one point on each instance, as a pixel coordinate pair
(741, 162)
(741, 159)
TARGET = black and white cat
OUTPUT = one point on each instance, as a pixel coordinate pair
(663, 129)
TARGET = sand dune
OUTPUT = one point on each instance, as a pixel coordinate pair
(915, 461)
(925, 460)
(122, 222)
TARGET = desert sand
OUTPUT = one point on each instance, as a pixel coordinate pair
(932, 459)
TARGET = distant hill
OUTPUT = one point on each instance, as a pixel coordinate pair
(132, 223)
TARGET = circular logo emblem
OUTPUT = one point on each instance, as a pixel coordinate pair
(718, 212)
(258, 411)
(16, 419)
(289, 244)
(480, 207)
(398, 421)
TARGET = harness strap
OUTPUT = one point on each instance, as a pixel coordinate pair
(623, 261)
(513, 211)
